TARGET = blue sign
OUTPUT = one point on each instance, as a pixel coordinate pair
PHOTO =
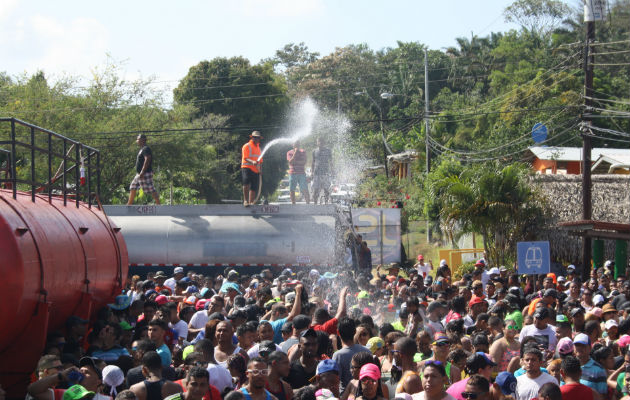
(539, 133)
(533, 257)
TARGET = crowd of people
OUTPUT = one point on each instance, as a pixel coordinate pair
(412, 334)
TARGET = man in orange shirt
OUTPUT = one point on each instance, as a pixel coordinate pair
(250, 168)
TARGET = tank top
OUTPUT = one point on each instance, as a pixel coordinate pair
(249, 396)
(154, 389)
(508, 355)
(281, 395)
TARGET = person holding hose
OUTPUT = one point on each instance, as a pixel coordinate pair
(251, 168)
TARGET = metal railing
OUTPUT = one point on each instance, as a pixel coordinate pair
(30, 146)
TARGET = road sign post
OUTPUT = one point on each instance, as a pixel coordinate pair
(533, 258)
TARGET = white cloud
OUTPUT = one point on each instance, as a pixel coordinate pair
(282, 8)
(7, 7)
(71, 47)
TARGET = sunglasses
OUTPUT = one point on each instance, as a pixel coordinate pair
(432, 362)
(257, 372)
(471, 395)
(394, 351)
(513, 327)
(440, 344)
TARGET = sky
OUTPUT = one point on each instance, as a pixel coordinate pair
(163, 39)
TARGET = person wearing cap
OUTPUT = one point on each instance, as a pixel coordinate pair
(154, 386)
(593, 374)
(541, 329)
(370, 387)
(279, 367)
(476, 364)
(563, 327)
(327, 376)
(571, 372)
(304, 368)
(612, 331)
(300, 324)
(528, 384)
(251, 163)
(178, 273)
(144, 172)
(423, 268)
(440, 347)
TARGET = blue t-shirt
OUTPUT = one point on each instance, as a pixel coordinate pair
(277, 329)
(165, 355)
(521, 371)
(594, 376)
(110, 355)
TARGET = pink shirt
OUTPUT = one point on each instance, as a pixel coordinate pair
(299, 161)
(457, 388)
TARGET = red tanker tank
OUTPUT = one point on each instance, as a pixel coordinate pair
(56, 260)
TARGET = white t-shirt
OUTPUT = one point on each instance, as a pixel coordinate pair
(421, 396)
(220, 377)
(545, 336)
(527, 388)
(199, 319)
(423, 270)
(181, 327)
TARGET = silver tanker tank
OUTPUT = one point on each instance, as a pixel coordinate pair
(217, 234)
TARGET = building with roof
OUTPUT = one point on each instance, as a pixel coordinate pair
(568, 160)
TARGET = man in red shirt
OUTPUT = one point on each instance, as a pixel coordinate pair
(322, 320)
(297, 174)
(571, 371)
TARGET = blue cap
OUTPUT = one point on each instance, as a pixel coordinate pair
(150, 292)
(191, 289)
(185, 279)
(203, 291)
(327, 366)
(229, 285)
(506, 382)
(121, 302)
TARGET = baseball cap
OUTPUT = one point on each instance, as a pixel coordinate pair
(124, 325)
(370, 370)
(201, 304)
(160, 274)
(185, 279)
(493, 271)
(610, 323)
(502, 268)
(191, 300)
(506, 382)
(571, 266)
(598, 299)
(310, 332)
(266, 346)
(328, 365)
(575, 311)
(178, 270)
(478, 361)
(561, 279)
(624, 340)
(374, 344)
(475, 300)
(191, 289)
(161, 300)
(428, 280)
(229, 286)
(565, 346)
(76, 392)
(363, 295)
(581, 338)
(121, 302)
(551, 292)
(89, 362)
(561, 318)
(443, 263)
(440, 337)
(420, 257)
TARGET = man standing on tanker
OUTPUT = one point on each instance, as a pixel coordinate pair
(250, 168)
(297, 175)
(144, 175)
(321, 170)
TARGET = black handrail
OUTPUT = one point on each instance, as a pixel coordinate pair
(89, 163)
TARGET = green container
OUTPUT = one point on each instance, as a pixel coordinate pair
(598, 253)
(621, 257)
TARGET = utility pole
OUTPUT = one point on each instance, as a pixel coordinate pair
(586, 147)
(426, 109)
(426, 126)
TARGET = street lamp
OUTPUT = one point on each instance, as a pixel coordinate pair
(384, 96)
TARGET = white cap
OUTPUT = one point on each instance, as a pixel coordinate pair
(610, 323)
(571, 266)
(598, 298)
(442, 263)
(493, 271)
(561, 279)
(502, 268)
(178, 270)
(607, 264)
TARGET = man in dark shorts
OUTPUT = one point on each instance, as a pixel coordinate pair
(321, 170)
(144, 175)
(250, 168)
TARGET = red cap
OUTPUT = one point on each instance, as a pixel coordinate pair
(420, 257)
(161, 300)
(475, 300)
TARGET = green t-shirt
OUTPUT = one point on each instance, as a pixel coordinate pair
(398, 326)
(517, 317)
(621, 388)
